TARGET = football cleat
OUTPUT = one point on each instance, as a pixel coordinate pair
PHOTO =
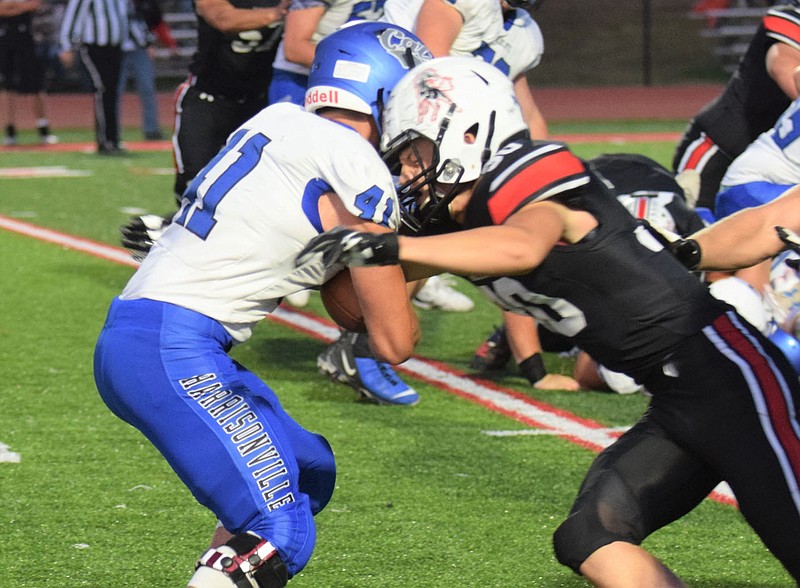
(492, 354)
(141, 233)
(438, 292)
(374, 380)
(245, 561)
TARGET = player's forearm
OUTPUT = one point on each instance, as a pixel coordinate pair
(300, 52)
(224, 17)
(489, 251)
(8, 8)
(748, 237)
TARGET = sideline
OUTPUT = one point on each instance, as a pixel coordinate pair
(515, 405)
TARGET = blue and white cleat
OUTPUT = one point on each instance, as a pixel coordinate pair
(375, 380)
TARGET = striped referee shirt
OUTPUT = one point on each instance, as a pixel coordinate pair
(95, 22)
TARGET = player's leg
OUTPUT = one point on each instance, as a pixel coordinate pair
(144, 75)
(697, 151)
(32, 83)
(751, 434)
(312, 452)
(8, 66)
(102, 63)
(639, 484)
(228, 445)
(605, 568)
(350, 361)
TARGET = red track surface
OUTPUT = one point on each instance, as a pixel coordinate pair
(557, 105)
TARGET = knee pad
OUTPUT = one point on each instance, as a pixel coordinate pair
(602, 516)
(245, 561)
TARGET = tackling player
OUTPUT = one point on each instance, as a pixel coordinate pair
(535, 228)
(223, 264)
(763, 85)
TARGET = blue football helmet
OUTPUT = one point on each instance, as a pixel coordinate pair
(357, 66)
(788, 344)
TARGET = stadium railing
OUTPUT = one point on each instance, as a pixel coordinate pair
(731, 29)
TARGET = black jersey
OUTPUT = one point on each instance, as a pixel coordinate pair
(617, 294)
(18, 24)
(751, 101)
(648, 190)
(235, 65)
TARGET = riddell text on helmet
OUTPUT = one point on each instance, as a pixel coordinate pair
(322, 97)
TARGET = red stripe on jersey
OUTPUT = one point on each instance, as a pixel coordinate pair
(698, 153)
(641, 207)
(783, 27)
(544, 172)
(771, 390)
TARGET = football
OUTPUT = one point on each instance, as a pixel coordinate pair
(341, 302)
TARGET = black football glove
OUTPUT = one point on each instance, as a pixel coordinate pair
(792, 242)
(141, 233)
(687, 251)
(352, 248)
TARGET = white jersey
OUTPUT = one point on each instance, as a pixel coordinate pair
(229, 252)
(337, 13)
(773, 157)
(513, 42)
(402, 13)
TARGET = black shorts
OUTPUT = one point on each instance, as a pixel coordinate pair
(203, 123)
(21, 68)
(724, 408)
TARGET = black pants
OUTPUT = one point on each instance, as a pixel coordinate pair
(203, 123)
(724, 408)
(103, 64)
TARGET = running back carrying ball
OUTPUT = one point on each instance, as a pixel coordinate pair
(339, 299)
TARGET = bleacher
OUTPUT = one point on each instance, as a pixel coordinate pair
(173, 64)
(731, 30)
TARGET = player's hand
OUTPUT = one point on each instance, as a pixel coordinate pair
(352, 248)
(792, 242)
(141, 233)
(789, 238)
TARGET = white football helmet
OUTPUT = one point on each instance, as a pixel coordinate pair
(466, 107)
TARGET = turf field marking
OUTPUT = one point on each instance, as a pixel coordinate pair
(515, 405)
(26, 173)
(8, 456)
(115, 254)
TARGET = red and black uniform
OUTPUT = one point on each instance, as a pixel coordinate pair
(230, 76)
(21, 70)
(723, 397)
(749, 105)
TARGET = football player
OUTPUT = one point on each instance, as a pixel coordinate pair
(509, 39)
(760, 89)
(307, 23)
(532, 225)
(229, 76)
(222, 265)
